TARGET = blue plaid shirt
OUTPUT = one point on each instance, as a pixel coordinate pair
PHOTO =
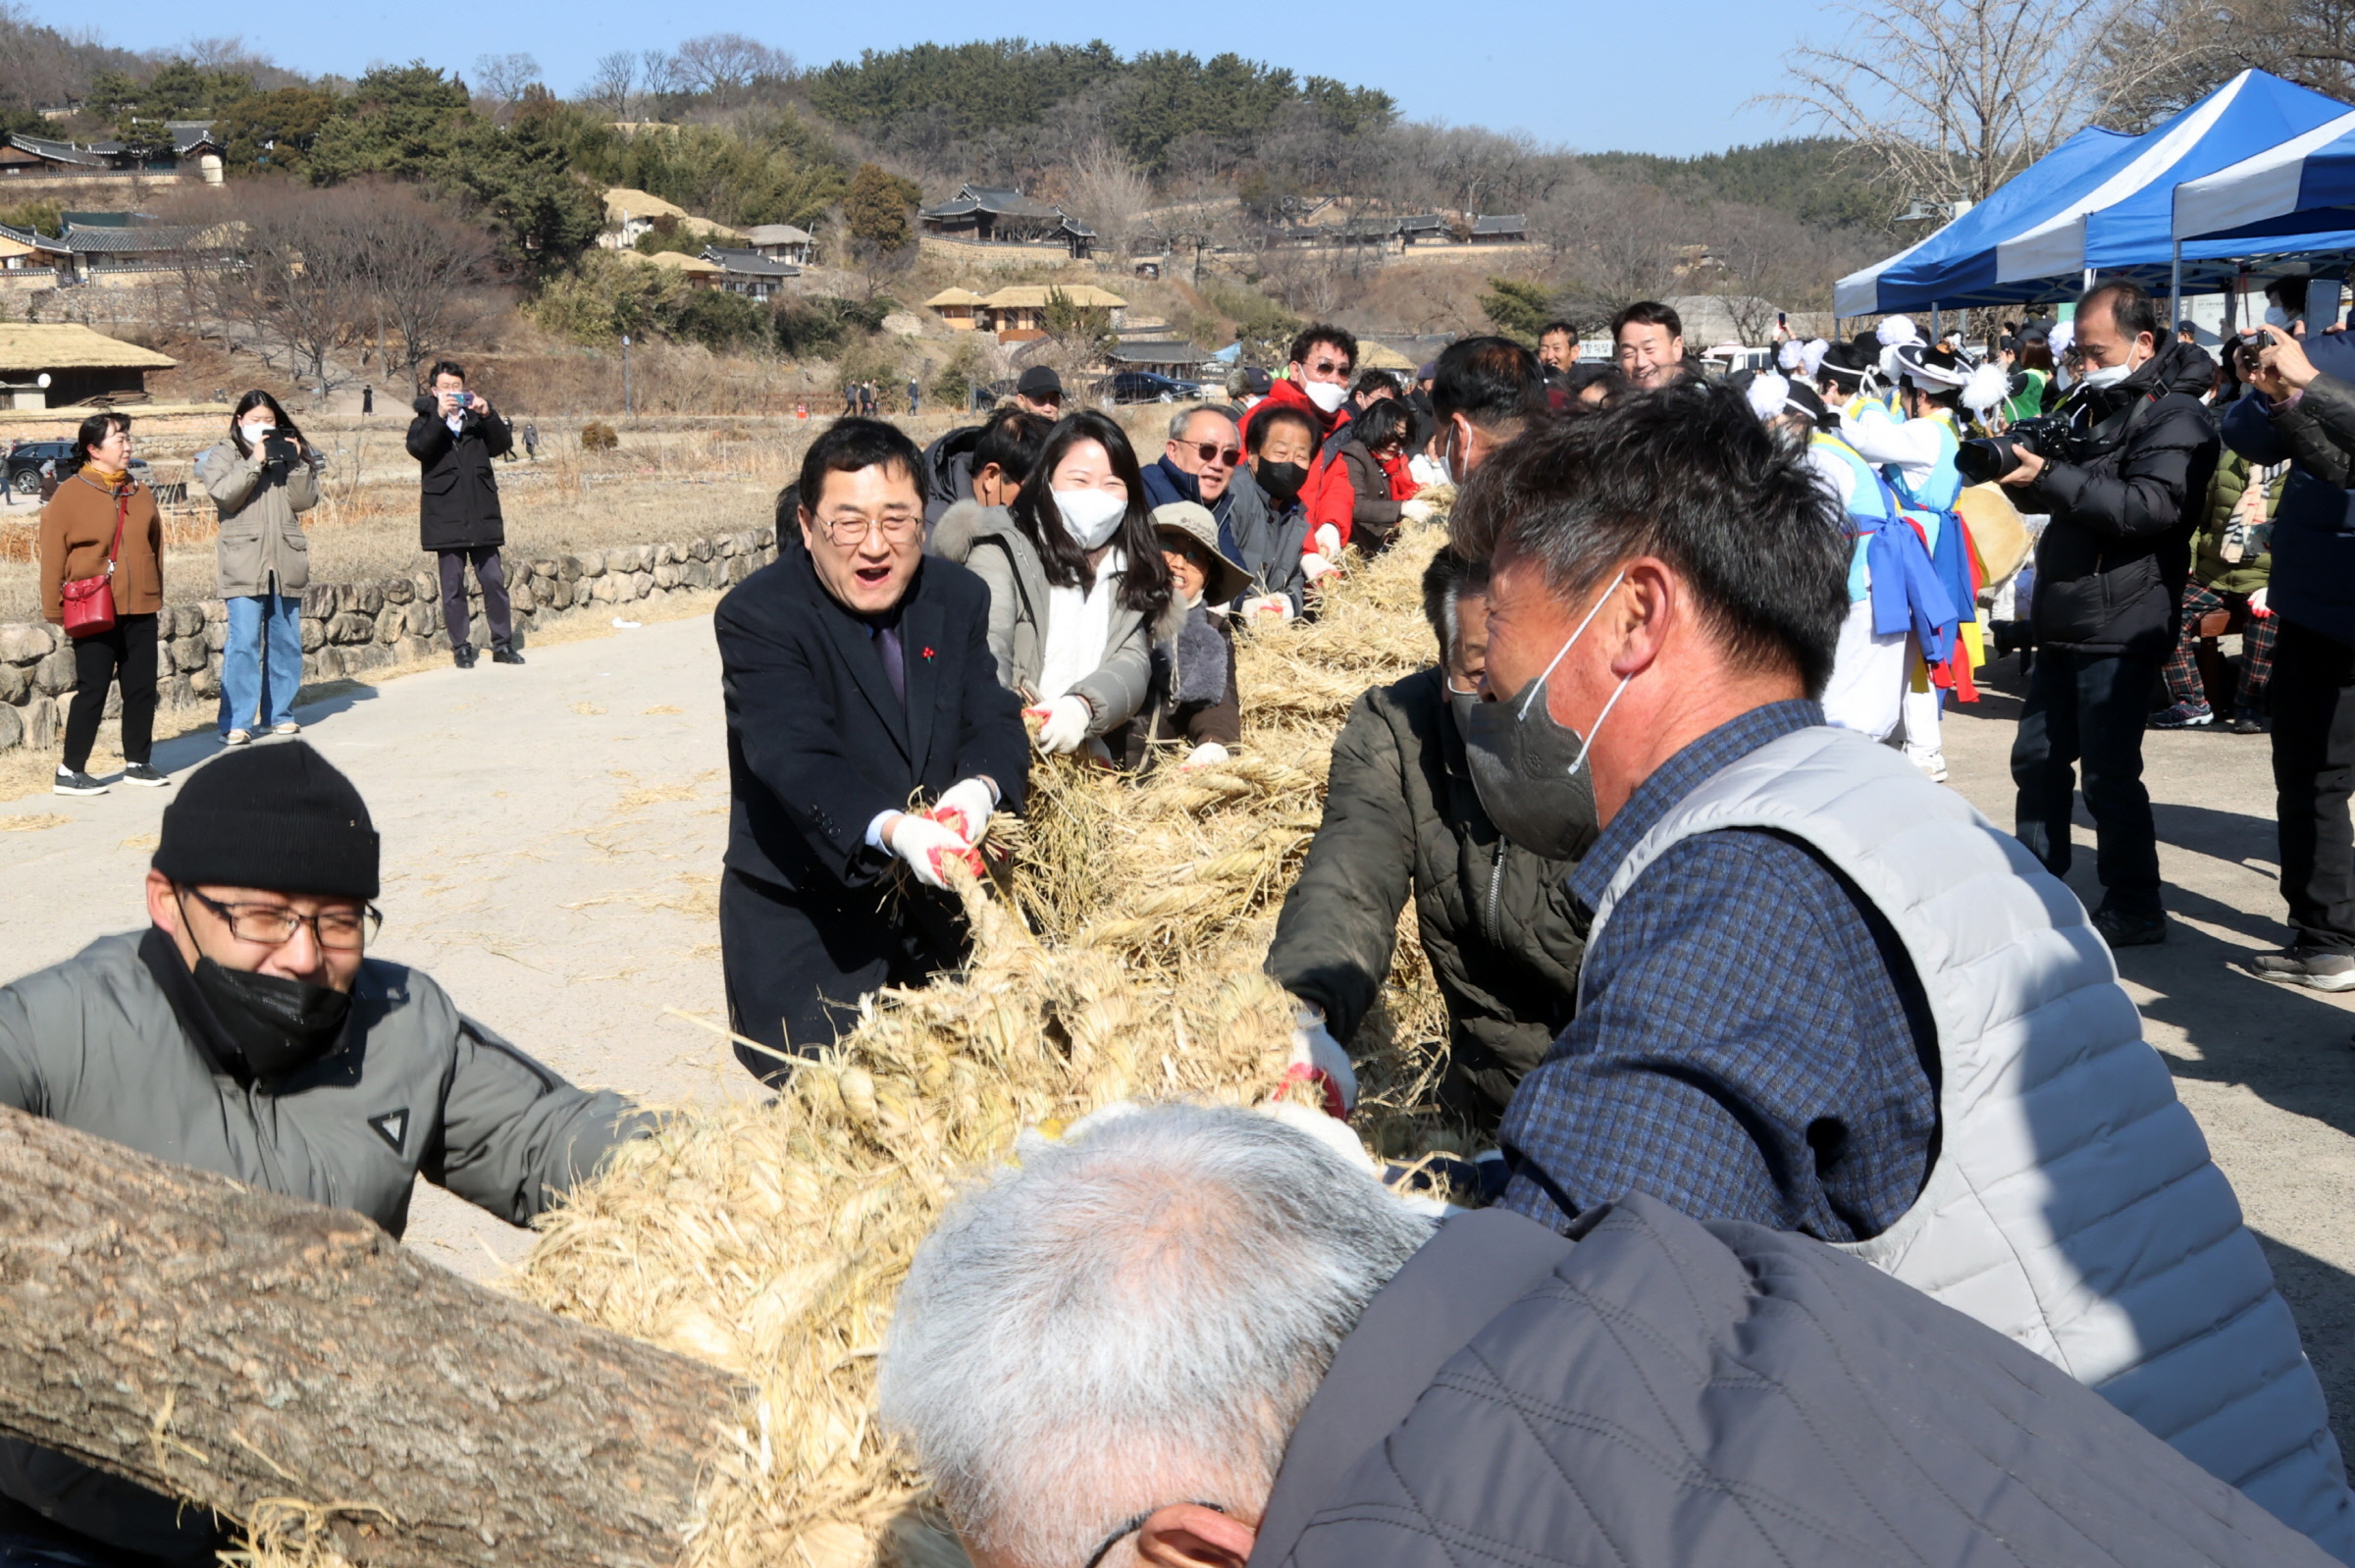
(1751, 1045)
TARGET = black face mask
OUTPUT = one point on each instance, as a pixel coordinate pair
(281, 1025)
(1282, 482)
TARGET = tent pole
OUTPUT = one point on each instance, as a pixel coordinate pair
(1934, 332)
(2175, 291)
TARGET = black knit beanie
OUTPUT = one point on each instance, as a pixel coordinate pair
(278, 817)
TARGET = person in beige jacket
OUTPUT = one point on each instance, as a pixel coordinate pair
(262, 477)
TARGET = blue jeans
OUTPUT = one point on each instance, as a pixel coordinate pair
(280, 617)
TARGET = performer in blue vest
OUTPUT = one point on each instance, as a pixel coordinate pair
(1915, 455)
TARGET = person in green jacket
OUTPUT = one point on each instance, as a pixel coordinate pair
(2231, 562)
(1401, 820)
(247, 1032)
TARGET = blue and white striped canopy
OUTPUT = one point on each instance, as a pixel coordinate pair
(2106, 202)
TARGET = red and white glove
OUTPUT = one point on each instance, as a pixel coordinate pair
(964, 808)
(2258, 606)
(1267, 607)
(927, 845)
(1318, 1057)
(1329, 542)
(1067, 719)
(1314, 566)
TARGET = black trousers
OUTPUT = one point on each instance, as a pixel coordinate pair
(493, 578)
(125, 656)
(796, 964)
(2084, 713)
(2312, 698)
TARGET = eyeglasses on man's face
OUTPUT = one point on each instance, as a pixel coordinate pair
(849, 533)
(341, 927)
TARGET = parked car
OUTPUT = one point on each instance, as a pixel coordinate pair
(1146, 387)
(25, 459)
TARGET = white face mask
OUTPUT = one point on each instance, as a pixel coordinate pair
(1090, 515)
(2276, 316)
(258, 431)
(2111, 375)
(1326, 395)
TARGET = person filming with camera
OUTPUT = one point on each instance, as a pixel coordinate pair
(454, 438)
(2123, 470)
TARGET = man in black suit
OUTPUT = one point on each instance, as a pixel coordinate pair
(454, 438)
(860, 691)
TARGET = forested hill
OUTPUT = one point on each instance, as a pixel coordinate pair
(1816, 180)
(917, 99)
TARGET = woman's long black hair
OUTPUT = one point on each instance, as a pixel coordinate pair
(258, 399)
(1146, 581)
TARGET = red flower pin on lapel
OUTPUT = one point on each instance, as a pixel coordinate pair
(927, 652)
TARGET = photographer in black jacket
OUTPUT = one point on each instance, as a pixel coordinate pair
(454, 438)
(2109, 573)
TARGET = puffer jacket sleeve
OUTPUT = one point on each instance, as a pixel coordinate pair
(993, 563)
(515, 1136)
(2319, 429)
(1340, 919)
(1117, 688)
(20, 1078)
(228, 479)
(2142, 491)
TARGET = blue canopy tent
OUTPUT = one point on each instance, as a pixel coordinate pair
(2278, 197)
(2089, 207)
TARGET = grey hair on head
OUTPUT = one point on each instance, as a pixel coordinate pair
(1178, 421)
(1134, 1315)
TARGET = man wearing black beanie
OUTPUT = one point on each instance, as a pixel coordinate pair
(246, 1031)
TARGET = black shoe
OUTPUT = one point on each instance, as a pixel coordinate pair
(2246, 723)
(72, 781)
(506, 655)
(2125, 929)
(2309, 967)
(463, 657)
(141, 773)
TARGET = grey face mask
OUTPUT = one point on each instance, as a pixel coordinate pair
(1529, 771)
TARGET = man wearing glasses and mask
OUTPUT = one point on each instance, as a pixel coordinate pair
(247, 1032)
(869, 745)
(1324, 363)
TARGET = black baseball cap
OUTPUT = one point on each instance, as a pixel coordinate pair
(1038, 381)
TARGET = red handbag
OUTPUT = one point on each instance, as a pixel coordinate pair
(89, 602)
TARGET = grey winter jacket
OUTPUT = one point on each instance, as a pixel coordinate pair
(262, 548)
(1496, 922)
(986, 541)
(1656, 1392)
(103, 1044)
(1268, 543)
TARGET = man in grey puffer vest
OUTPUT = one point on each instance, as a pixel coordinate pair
(1197, 1337)
(244, 1032)
(1819, 992)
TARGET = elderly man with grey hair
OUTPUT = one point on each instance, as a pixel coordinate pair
(1200, 1338)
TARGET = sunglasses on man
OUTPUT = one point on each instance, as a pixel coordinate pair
(1210, 451)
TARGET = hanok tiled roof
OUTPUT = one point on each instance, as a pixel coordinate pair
(1001, 201)
(752, 263)
(146, 239)
(1500, 224)
(59, 151)
(1158, 353)
(35, 239)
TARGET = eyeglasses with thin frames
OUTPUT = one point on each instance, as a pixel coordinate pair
(339, 930)
(1131, 1527)
(850, 533)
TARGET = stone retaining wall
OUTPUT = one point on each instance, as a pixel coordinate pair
(351, 628)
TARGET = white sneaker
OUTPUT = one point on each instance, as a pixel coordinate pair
(290, 727)
(1931, 763)
(235, 738)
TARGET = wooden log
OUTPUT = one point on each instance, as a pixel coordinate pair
(234, 1348)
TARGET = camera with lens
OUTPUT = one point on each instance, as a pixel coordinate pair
(1984, 459)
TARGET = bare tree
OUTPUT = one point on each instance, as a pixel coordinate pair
(499, 80)
(295, 296)
(724, 64)
(609, 86)
(1103, 189)
(1954, 97)
(1634, 239)
(2164, 54)
(428, 274)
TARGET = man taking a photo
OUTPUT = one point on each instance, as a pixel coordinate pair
(454, 438)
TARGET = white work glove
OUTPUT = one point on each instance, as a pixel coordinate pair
(964, 808)
(1067, 723)
(1329, 542)
(1277, 605)
(1420, 511)
(1314, 566)
(1318, 1056)
(1207, 754)
(925, 844)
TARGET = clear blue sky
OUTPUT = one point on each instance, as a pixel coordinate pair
(1596, 75)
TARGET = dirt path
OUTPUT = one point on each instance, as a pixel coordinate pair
(553, 835)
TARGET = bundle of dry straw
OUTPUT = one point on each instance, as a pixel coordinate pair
(1121, 961)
